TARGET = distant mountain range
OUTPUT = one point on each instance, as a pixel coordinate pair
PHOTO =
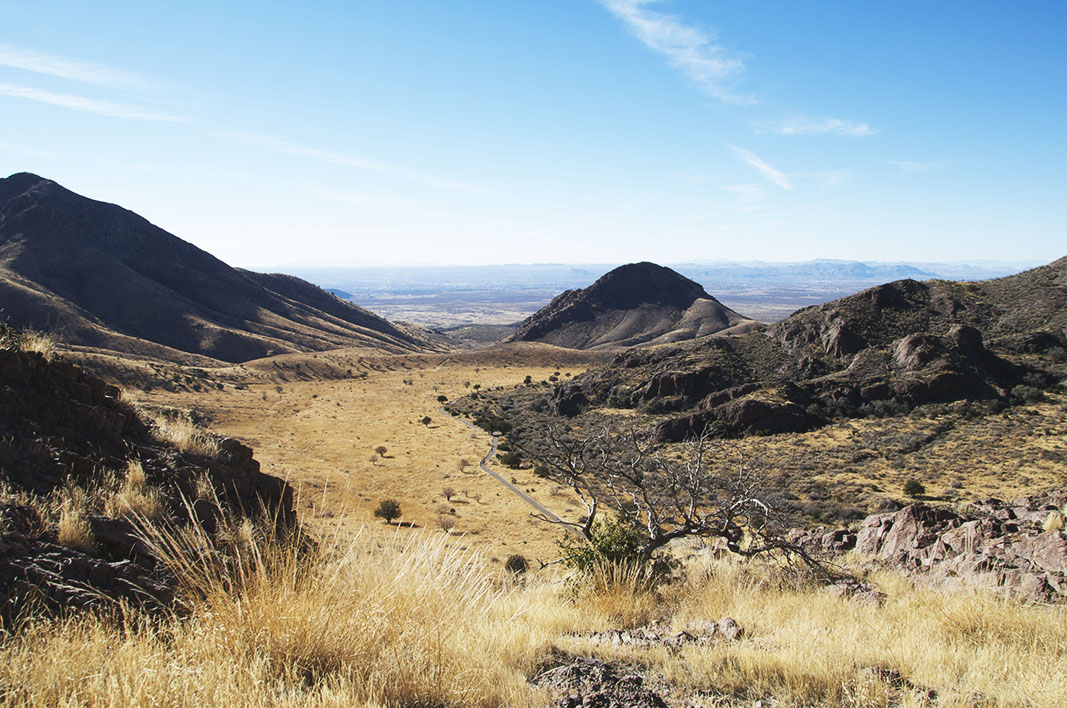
(103, 277)
(639, 303)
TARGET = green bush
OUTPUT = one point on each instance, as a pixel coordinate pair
(389, 509)
(517, 564)
(914, 488)
(511, 459)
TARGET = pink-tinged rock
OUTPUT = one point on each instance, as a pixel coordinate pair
(1047, 551)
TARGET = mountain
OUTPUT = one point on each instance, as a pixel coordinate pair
(639, 303)
(103, 277)
(882, 351)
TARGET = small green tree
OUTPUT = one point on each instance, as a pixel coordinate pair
(426, 420)
(442, 399)
(914, 488)
(389, 509)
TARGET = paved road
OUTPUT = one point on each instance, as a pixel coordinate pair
(488, 470)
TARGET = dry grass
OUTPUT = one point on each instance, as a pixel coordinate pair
(320, 435)
(136, 497)
(180, 431)
(72, 525)
(382, 620)
(34, 341)
(400, 618)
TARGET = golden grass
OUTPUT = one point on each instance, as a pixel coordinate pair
(72, 525)
(381, 620)
(136, 497)
(180, 431)
(402, 618)
(321, 437)
(40, 342)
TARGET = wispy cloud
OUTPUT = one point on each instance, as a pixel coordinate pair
(770, 173)
(274, 144)
(830, 125)
(75, 70)
(89, 105)
(747, 192)
(908, 167)
(27, 151)
(690, 50)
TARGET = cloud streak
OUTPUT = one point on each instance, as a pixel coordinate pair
(830, 125)
(81, 71)
(89, 105)
(910, 167)
(688, 49)
(770, 173)
(333, 157)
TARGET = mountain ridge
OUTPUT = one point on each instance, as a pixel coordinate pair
(105, 277)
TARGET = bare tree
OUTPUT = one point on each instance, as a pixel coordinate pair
(714, 489)
(448, 493)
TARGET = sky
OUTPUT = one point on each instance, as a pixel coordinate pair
(553, 131)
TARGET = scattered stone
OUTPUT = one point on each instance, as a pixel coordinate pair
(582, 682)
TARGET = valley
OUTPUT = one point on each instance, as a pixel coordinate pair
(276, 484)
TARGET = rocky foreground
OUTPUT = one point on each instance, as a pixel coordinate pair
(1015, 547)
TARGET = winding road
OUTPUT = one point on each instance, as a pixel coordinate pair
(488, 470)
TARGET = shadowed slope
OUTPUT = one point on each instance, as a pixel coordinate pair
(104, 277)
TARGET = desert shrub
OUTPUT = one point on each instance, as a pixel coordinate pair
(615, 547)
(388, 509)
(517, 564)
(618, 399)
(1027, 394)
(654, 406)
(914, 488)
(511, 459)
(542, 472)
(442, 399)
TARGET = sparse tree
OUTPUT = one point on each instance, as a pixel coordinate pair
(715, 490)
(381, 450)
(446, 523)
(388, 509)
(448, 493)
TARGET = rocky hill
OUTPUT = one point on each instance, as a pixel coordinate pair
(640, 303)
(103, 277)
(881, 351)
(80, 471)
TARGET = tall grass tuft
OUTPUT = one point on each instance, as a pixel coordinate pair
(180, 431)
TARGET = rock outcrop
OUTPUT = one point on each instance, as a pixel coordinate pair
(883, 351)
(1012, 547)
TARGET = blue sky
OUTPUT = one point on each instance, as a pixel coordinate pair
(501, 131)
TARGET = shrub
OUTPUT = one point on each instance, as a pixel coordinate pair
(388, 509)
(511, 459)
(442, 399)
(1027, 394)
(914, 488)
(517, 564)
(542, 472)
